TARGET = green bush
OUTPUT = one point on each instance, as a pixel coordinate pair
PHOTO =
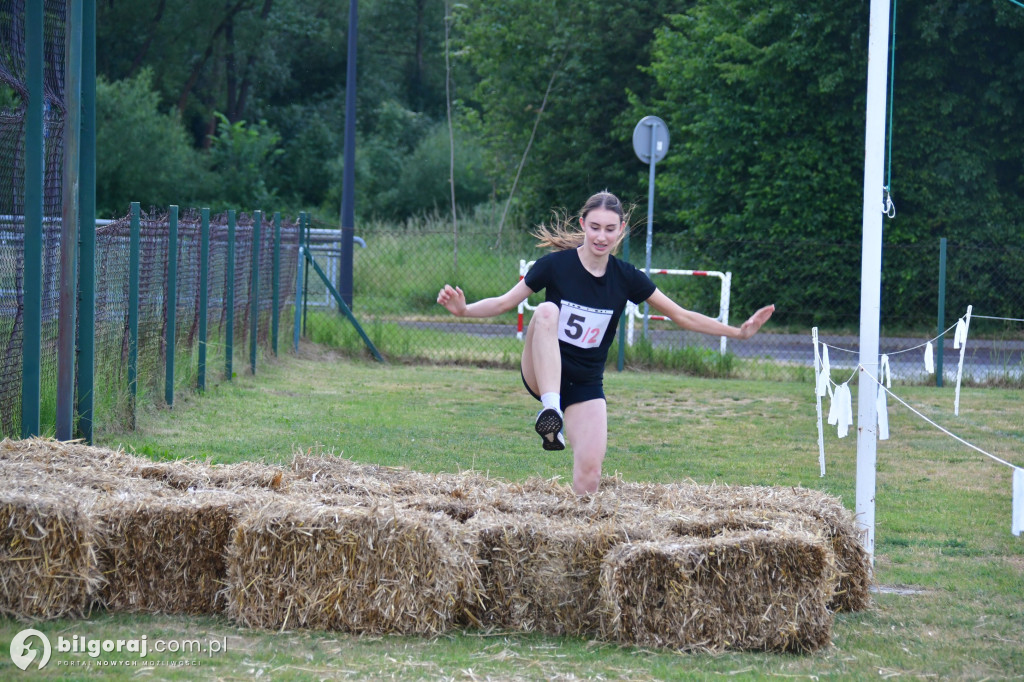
(142, 154)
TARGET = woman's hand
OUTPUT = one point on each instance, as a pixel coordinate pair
(751, 326)
(453, 300)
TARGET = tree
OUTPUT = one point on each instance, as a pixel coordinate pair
(595, 51)
(142, 154)
(766, 105)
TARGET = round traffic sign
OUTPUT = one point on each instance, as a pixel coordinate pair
(650, 137)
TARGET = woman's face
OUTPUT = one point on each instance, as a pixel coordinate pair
(602, 228)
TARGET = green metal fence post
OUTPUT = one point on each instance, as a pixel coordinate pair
(254, 298)
(204, 286)
(35, 155)
(87, 212)
(229, 299)
(304, 230)
(942, 311)
(133, 308)
(276, 315)
(171, 301)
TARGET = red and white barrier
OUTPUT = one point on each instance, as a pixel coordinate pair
(633, 311)
(525, 305)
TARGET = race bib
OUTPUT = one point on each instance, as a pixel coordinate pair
(582, 326)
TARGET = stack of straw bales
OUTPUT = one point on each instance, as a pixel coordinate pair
(332, 544)
(144, 542)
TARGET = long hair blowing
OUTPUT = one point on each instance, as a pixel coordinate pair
(564, 231)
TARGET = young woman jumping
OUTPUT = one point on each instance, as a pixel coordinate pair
(567, 340)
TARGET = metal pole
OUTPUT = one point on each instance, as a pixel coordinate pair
(133, 307)
(171, 302)
(254, 297)
(650, 216)
(204, 286)
(87, 209)
(297, 315)
(625, 315)
(35, 155)
(942, 311)
(229, 298)
(871, 270)
(66, 326)
(275, 316)
(304, 230)
(348, 184)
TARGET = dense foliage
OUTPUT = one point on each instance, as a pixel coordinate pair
(764, 101)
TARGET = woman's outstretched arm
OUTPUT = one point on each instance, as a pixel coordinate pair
(454, 300)
(697, 322)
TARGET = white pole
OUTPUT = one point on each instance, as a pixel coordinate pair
(723, 308)
(650, 214)
(817, 398)
(871, 269)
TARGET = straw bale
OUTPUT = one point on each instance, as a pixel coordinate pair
(337, 474)
(164, 553)
(543, 573)
(48, 562)
(191, 474)
(357, 569)
(765, 590)
(388, 484)
(66, 454)
(454, 507)
(852, 561)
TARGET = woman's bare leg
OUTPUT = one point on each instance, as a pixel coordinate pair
(586, 425)
(542, 360)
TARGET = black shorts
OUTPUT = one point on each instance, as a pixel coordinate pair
(573, 391)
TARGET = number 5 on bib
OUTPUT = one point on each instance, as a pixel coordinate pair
(582, 326)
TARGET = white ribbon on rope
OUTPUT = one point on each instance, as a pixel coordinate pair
(823, 376)
(840, 413)
(880, 404)
(960, 341)
(929, 359)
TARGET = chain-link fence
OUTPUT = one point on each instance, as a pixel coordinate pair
(398, 271)
(243, 277)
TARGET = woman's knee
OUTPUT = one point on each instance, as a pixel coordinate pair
(546, 314)
(586, 477)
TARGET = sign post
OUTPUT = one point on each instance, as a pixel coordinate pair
(650, 142)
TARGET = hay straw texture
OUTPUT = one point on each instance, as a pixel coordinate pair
(48, 564)
(358, 569)
(328, 543)
(852, 562)
(156, 533)
(165, 554)
(747, 590)
(543, 574)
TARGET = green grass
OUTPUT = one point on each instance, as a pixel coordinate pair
(942, 525)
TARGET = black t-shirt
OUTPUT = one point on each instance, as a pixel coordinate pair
(590, 307)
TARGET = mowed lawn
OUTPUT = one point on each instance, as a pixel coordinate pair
(950, 575)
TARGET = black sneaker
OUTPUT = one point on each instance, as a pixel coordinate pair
(549, 426)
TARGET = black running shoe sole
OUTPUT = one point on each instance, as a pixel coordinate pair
(548, 425)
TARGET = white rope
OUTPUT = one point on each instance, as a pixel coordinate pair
(905, 350)
(1005, 319)
(940, 428)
